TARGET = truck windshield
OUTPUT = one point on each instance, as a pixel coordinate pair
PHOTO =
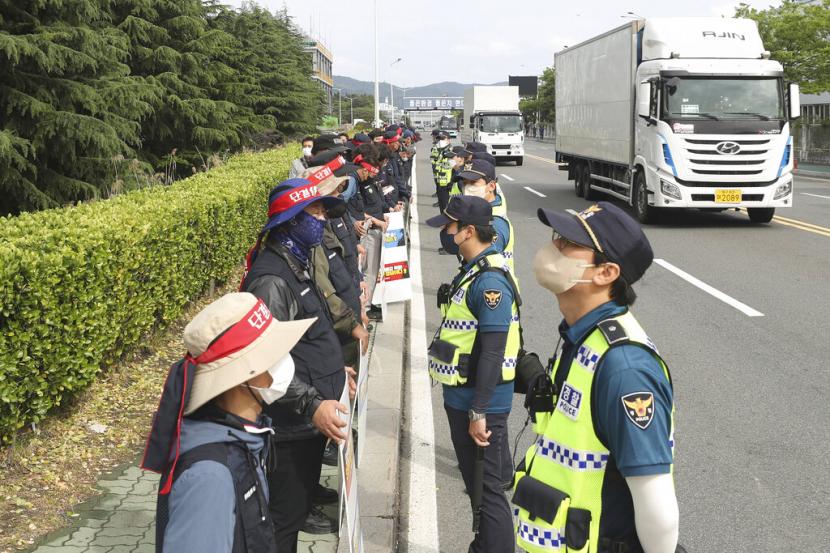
(501, 123)
(716, 98)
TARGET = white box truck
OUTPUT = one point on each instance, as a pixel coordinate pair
(677, 113)
(492, 117)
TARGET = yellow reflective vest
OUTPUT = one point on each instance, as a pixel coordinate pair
(560, 507)
(449, 353)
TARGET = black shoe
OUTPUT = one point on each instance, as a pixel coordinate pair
(324, 495)
(434, 194)
(435, 204)
(442, 251)
(375, 313)
(318, 523)
(330, 455)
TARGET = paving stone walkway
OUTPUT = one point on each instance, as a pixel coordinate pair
(122, 519)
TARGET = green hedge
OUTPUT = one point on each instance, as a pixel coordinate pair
(81, 286)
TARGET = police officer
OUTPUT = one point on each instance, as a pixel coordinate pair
(462, 158)
(479, 151)
(479, 179)
(474, 357)
(449, 166)
(599, 477)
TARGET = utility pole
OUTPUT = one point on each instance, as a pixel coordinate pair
(376, 122)
(351, 109)
(339, 106)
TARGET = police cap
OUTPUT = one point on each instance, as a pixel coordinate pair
(479, 169)
(467, 209)
(605, 228)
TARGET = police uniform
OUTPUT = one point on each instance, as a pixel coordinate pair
(505, 235)
(479, 308)
(443, 177)
(612, 418)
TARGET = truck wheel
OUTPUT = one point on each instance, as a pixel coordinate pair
(519, 161)
(590, 195)
(644, 212)
(761, 214)
(579, 181)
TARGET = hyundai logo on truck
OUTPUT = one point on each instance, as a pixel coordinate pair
(728, 148)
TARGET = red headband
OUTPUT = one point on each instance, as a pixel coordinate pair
(391, 140)
(239, 336)
(326, 170)
(293, 197)
(368, 166)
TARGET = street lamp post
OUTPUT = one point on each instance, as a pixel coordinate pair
(392, 89)
(377, 93)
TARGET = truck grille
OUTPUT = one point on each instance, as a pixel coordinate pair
(704, 158)
(501, 146)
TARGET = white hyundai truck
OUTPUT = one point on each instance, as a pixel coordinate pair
(492, 117)
(677, 113)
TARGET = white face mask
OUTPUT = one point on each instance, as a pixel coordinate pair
(282, 372)
(443, 143)
(452, 163)
(556, 271)
(307, 151)
(479, 191)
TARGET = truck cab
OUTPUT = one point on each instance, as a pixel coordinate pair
(493, 118)
(712, 132)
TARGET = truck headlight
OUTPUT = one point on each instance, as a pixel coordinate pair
(669, 189)
(783, 190)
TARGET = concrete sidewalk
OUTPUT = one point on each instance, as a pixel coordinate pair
(122, 519)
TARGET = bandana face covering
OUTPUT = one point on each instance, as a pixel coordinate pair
(303, 232)
(556, 271)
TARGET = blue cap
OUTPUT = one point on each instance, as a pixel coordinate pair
(605, 228)
(491, 159)
(476, 146)
(479, 169)
(467, 209)
(290, 197)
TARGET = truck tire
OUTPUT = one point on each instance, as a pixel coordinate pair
(590, 194)
(644, 212)
(519, 161)
(579, 180)
(761, 214)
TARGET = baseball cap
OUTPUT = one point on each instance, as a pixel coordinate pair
(476, 146)
(489, 158)
(605, 228)
(290, 197)
(460, 151)
(327, 142)
(468, 209)
(479, 169)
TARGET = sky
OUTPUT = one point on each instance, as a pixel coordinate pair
(469, 41)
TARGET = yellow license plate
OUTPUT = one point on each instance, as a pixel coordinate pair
(728, 196)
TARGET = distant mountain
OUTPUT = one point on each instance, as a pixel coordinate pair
(447, 88)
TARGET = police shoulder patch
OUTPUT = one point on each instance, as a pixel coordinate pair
(639, 408)
(492, 298)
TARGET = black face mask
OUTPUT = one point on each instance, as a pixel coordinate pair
(448, 243)
(337, 211)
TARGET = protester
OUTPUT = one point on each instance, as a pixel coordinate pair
(209, 439)
(280, 273)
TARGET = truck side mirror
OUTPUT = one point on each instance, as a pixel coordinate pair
(795, 101)
(644, 100)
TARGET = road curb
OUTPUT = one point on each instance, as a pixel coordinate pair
(812, 174)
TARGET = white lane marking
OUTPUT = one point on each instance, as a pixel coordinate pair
(508, 178)
(422, 534)
(815, 195)
(529, 189)
(725, 298)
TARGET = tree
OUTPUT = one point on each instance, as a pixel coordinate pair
(546, 96)
(198, 112)
(798, 35)
(68, 103)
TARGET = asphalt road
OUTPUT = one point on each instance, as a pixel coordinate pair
(752, 421)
